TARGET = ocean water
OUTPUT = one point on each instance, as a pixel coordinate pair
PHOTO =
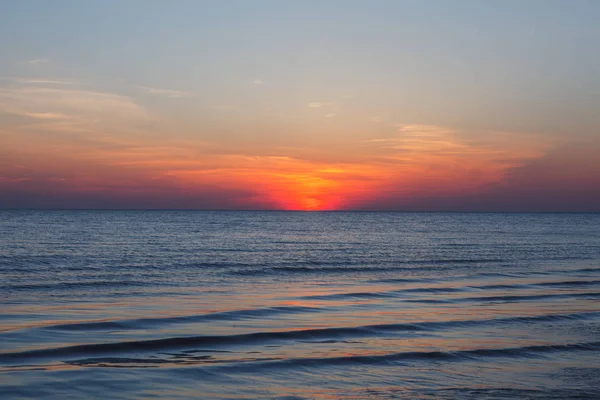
(296, 305)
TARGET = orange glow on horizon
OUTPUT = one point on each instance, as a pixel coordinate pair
(418, 161)
(306, 192)
(291, 184)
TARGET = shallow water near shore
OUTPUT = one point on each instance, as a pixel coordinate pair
(297, 305)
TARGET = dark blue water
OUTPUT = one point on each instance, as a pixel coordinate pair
(270, 305)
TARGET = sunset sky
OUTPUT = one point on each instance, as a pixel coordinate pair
(300, 105)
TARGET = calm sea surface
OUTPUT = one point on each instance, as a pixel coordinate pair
(294, 305)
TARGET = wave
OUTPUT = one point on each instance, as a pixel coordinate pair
(355, 295)
(465, 289)
(484, 275)
(76, 285)
(254, 363)
(533, 285)
(326, 264)
(506, 298)
(143, 323)
(262, 337)
(502, 393)
(323, 266)
(449, 356)
(245, 314)
(377, 295)
(502, 286)
(570, 283)
(588, 269)
(400, 280)
(434, 290)
(327, 268)
(268, 268)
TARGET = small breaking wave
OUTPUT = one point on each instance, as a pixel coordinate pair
(144, 323)
(265, 337)
(257, 363)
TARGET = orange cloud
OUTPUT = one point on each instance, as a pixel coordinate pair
(290, 183)
(80, 141)
(418, 161)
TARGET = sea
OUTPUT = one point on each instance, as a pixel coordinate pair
(299, 305)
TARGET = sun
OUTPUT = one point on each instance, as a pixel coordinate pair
(305, 192)
(311, 204)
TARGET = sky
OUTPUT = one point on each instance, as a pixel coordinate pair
(401, 105)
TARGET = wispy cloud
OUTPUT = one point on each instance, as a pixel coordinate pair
(330, 115)
(316, 104)
(69, 108)
(40, 81)
(47, 115)
(37, 61)
(428, 160)
(173, 94)
(379, 140)
(258, 81)
(429, 145)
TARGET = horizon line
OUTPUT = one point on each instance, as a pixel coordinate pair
(301, 211)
